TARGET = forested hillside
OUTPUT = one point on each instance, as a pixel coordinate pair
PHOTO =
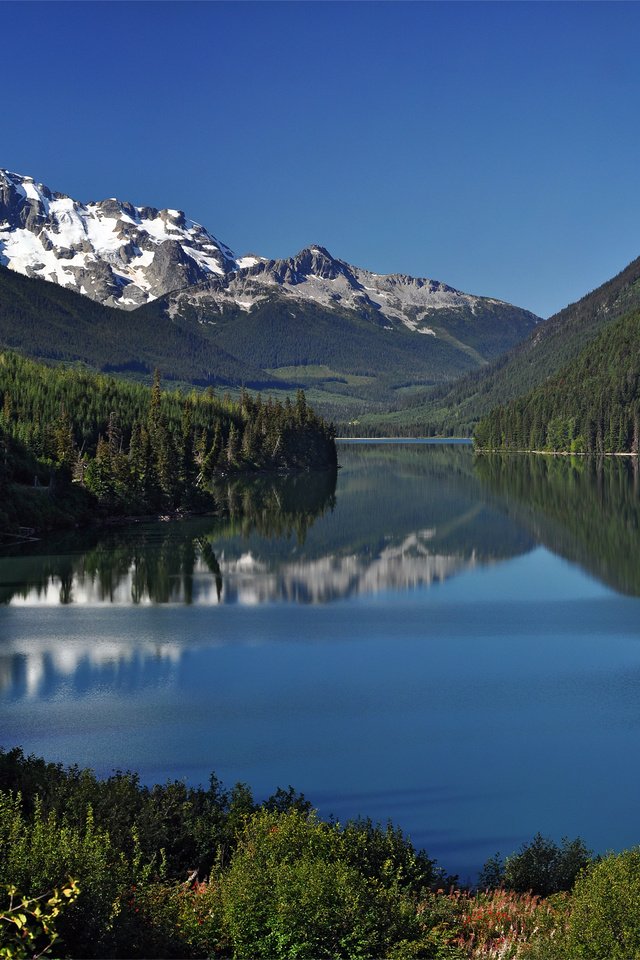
(132, 448)
(591, 406)
(49, 322)
(456, 408)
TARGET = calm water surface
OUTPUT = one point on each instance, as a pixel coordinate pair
(450, 643)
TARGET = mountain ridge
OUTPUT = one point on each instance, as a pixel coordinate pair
(552, 345)
(54, 237)
(359, 339)
(121, 254)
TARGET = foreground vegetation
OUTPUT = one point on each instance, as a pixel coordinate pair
(73, 444)
(110, 868)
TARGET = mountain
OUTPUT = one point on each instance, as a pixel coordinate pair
(317, 320)
(48, 322)
(361, 340)
(592, 405)
(478, 326)
(554, 344)
(111, 251)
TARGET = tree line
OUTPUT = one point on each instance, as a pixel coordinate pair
(132, 447)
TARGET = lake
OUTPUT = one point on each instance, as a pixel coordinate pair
(449, 642)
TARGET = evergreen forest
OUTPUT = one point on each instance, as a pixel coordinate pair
(591, 406)
(454, 409)
(74, 442)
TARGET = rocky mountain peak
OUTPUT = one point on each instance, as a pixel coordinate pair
(110, 250)
(125, 255)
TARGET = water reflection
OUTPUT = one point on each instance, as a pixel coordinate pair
(166, 562)
(70, 669)
(584, 509)
(405, 518)
(407, 628)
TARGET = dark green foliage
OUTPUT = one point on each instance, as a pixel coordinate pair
(591, 406)
(292, 890)
(275, 335)
(491, 877)
(542, 867)
(174, 871)
(44, 850)
(605, 919)
(135, 449)
(282, 883)
(195, 826)
(49, 322)
(389, 856)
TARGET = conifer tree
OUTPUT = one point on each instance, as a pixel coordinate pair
(233, 446)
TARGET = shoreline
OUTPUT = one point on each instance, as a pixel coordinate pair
(554, 453)
(405, 439)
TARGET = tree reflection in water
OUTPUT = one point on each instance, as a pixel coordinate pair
(583, 508)
(158, 562)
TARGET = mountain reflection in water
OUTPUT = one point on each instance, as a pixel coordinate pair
(402, 520)
(411, 627)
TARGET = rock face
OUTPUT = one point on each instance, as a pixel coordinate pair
(111, 251)
(392, 301)
(127, 256)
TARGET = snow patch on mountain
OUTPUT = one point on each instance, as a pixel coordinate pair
(116, 253)
(124, 256)
(314, 276)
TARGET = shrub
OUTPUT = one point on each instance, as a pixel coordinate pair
(171, 920)
(43, 853)
(291, 892)
(28, 924)
(542, 867)
(605, 920)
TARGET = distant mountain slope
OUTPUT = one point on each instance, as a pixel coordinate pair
(45, 321)
(592, 405)
(333, 322)
(360, 338)
(553, 344)
(480, 326)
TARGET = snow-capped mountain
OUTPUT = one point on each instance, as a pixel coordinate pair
(111, 251)
(314, 276)
(122, 255)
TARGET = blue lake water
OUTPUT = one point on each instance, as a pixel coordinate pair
(450, 644)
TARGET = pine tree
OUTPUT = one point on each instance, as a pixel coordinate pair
(233, 446)
(65, 448)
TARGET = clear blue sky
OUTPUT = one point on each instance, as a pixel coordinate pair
(494, 146)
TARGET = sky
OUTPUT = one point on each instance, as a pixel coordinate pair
(492, 146)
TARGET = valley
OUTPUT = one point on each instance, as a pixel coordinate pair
(125, 289)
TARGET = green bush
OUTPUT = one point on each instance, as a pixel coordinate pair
(28, 924)
(171, 920)
(42, 854)
(542, 867)
(605, 919)
(290, 892)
